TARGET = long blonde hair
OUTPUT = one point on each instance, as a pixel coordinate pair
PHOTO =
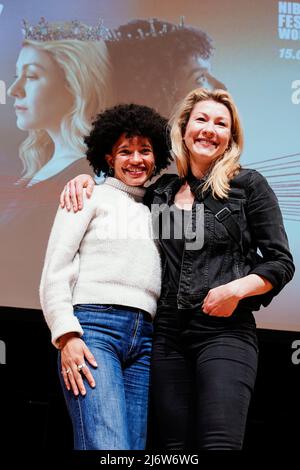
(87, 73)
(227, 165)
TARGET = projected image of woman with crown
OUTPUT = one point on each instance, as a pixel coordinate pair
(62, 82)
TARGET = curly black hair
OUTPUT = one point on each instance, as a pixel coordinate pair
(131, 120)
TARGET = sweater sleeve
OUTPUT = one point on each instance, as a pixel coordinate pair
(267, 230)
(61, 269)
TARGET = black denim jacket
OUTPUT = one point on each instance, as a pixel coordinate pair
(219, 260)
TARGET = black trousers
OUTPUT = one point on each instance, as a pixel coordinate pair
(203, 375)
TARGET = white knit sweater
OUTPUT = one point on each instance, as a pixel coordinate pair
(103, 254)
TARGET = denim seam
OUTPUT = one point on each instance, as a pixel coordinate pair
(81, 423)
(136, 325)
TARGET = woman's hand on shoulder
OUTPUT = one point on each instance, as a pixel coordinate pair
(74, 370)
(72, 194)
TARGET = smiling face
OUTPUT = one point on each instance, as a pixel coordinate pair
(207, 133)
(132, 159)
(40, 91)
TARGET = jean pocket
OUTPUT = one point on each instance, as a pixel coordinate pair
(93, 307)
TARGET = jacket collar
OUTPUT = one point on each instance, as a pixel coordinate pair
(196, 184)
(170, 186)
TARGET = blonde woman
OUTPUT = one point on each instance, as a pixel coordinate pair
(60, 87)
(204, 357)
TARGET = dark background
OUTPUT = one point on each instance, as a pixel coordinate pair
(34, 417)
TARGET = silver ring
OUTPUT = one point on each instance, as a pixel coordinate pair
(68, 370)
(80, 367)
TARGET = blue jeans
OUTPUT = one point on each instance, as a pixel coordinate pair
(113, 415)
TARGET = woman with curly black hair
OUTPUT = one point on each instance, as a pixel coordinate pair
(101, 280)
(133, 121)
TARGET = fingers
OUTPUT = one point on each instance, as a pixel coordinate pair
(62, 198)
(89, 356)
(210, 307)
(73, 195)
(87, 373)
(218, 310)
(78, 377)
(70, 376)
(78, 191)
(205, 307)
(85, 370)
(74, 369)
(66, 197)
(90, 188)
(65, 375)
(73, 378)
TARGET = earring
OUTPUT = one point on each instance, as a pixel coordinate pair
(110, 171)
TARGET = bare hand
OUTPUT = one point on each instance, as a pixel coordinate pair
(73, 354)
(73, 190)
(221, 301)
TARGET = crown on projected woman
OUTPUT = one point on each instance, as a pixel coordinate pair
(75, 29)
(153, 28)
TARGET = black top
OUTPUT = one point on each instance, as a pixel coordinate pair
(173, 247)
